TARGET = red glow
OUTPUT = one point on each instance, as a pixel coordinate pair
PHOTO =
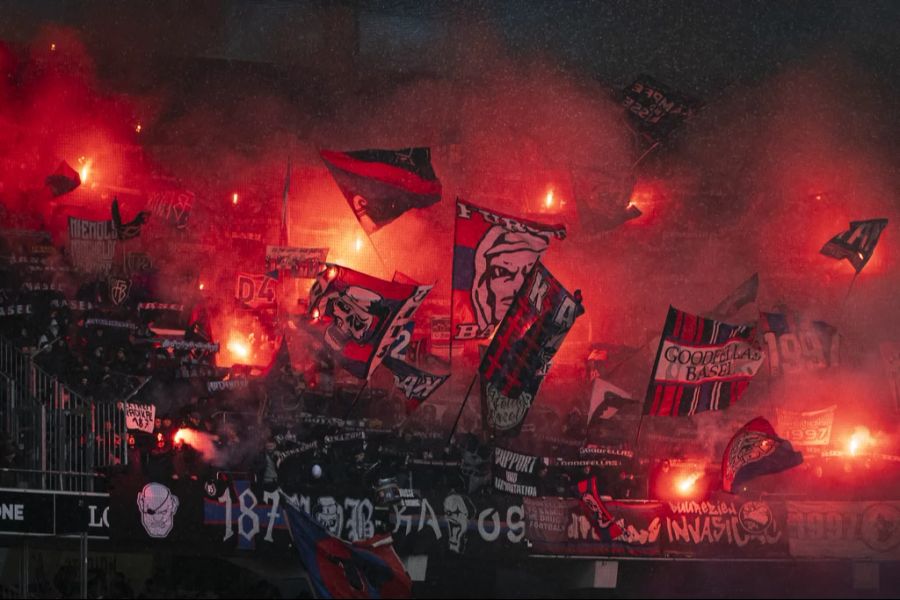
(548, 201)
(358, 244)
(52, 47)
(332, 272)
(186, 436)
(238, 348)
(137, 128)
(234, 198)
(85, 170)
(315, 313)
(860, 441)
(686, 484)
(201, 286)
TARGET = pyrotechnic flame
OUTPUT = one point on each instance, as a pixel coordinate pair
(234, 198)
(137, 128)
(315, 313)
(52, 47)
(686, 483)
(358, 244)
(548, 201)
(202, 285)
(85, 171)
(860, 439)
(238, 349)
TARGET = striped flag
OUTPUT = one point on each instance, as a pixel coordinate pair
(701, 364)
(857, 243)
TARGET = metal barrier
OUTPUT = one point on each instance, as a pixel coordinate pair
(62, 437)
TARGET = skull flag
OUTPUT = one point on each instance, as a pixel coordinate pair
(756, 450)
(519, 355)
(362, 316)
(492, 255)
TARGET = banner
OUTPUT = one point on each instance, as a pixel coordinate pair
(301, 262)
(45, 513)
(515, 473)
(701, 365)
(753, 451)
(809, 428)
(560, 526)
(362, 317)
(656, 109)
(255, 290)
(856, 244)
(172, 207)
(492, 254)
(140, 417)
(518, 357)
(92, 245)
(855, 530)
(734, 528)
(795, 346)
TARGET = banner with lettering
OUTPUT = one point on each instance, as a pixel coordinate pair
(140, 417)
(171, 207)
(797, 346)
(255, 290)
(857, 530)
(807, 428)
(92, 245)
(300, 262)
(515, 473)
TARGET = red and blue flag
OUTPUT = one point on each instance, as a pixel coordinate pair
(756, 450)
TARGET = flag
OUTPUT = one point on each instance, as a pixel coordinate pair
(416, 384)
(606, 400)
(337, 569)
(796, 345)
(492, 255)
(518, 357)
(656, 109)
(131, 229)
(756, 450)
(742, 295)
(256, 290)
(63, 180)
(381, 185)
(701, 364)
(857, 243)
(602, 521)
(362, 316)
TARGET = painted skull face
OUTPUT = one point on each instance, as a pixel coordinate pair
(352, 316)
(158, 507)
(329, 515)
(457, 514)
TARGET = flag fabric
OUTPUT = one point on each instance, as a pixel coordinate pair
(63, 180)
(256, 290)
(131, 229)
(656, 109)
(701, 364)
(736, 300)
(606, 400)
(756, 450)
(857, 243)
(492, 255)
(381, 185)
(416, 384)
(798, 345)
(361, 316)
(337, 569)
(602, 521)
(518, 357)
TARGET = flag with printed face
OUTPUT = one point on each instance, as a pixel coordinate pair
(701, 364)
(756, 450)
(518, 357)
(381, 185)
(337, 569)
(361, 316)
(492, 255)
(857, 243)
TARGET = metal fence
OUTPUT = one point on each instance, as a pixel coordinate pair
(62, 439)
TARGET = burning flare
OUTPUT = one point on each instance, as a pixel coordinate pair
(234, 198)
(85, 170)
(859, 441)
(238, 349)
(548, 201)
(686, 483)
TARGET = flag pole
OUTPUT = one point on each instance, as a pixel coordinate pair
(356, 399)
(461, 408)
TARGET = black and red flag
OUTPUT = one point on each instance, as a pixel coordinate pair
(756, 450)
(655, 108)
(602, 521)
(132, 228)
(381, 185)
(361, 316)
(701, 364)
(417, 385)
(518, 357)
(857, 243)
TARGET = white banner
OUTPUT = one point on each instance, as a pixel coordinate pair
(680, 363)
(140, 417)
